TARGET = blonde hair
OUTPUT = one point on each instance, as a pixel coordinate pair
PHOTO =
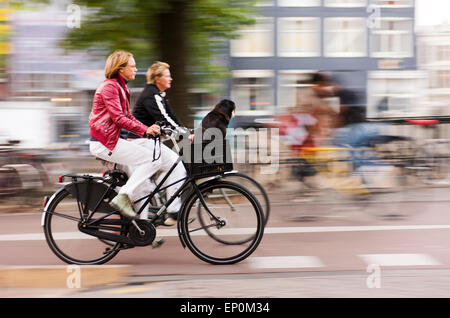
(115, 62)
(156, 70)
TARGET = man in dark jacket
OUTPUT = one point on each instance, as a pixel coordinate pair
(152, 106)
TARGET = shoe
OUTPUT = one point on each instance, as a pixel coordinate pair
(170, 219)
(157, 242)
(159, 220)
(123, 203)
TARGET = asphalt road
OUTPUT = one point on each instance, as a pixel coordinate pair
(394, 246)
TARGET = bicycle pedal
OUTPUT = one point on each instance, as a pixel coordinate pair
(157, 242)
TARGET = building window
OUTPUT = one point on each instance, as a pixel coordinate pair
(393, 3)
(394, 93)
(443, 53)
(345, 37)
(293, 88)
(299, 3)
(252, 90)
(442, 79)
(299, 37)
(255, 40)
(345, 3)
(393, 38)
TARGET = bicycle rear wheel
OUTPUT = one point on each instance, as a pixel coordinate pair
(204, 230)
(61, 229)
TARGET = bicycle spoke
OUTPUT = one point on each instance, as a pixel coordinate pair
(69, 217)
(202, 228)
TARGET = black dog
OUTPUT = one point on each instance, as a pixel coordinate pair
(218, 118)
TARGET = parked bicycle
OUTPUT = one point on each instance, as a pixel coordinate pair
(22, 174)
(432, 158)
(81, 210)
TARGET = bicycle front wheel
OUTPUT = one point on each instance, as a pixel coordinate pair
(206, 226)
(65, 239)
(254, 187)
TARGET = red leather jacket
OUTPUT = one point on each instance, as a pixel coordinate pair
(111, 113)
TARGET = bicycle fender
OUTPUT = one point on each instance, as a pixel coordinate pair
(49, 202)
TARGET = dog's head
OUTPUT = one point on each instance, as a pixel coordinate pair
(226, 106)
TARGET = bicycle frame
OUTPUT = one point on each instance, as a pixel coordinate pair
(187, 180)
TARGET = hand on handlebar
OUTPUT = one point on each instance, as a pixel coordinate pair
(165, 129)
(153, 130)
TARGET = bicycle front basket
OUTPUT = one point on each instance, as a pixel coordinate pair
(208, 159)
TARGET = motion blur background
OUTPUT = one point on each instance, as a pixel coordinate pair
(394, 54)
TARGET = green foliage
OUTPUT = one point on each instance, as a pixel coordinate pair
(132, 25)
(212, 24)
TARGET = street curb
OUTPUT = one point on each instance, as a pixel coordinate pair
(62, 276)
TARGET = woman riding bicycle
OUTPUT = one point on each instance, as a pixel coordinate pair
(110, 114)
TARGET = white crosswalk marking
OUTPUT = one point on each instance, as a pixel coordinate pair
(284, 262)
(399, 259)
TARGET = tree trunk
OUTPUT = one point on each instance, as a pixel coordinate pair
(173, 44)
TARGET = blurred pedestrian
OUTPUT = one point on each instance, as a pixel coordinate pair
(354, 130)
(357, 134)
(110, 114)
(324, 91)
(299, 126)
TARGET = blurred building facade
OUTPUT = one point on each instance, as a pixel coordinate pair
(367, 45)
(46, 87)
(433, 50)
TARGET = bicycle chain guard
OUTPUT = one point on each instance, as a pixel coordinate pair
(149, 233)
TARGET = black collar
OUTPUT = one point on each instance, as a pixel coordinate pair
(155, 90)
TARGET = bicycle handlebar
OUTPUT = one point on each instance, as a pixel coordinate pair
(167, 130)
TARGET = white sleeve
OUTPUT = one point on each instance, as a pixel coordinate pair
(163, 111)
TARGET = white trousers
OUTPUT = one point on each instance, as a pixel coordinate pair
(163, 165)
(136, 158)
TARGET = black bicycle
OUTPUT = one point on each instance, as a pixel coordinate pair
(81, 227)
